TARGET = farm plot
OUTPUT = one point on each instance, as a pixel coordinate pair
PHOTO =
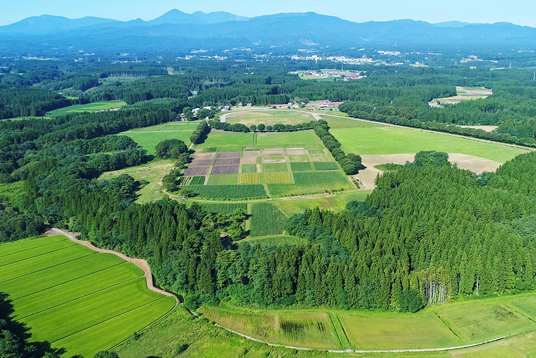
(301, 167)
(196, 171)
(62, 295)
(275, 167)
(229, 179)
(278, 178)
(326, 166)
(249, 168)
(230, 192)
(225, 169)
(269, 117)
(251, 178)
(230, 161)
(266, 219)
(90, 107)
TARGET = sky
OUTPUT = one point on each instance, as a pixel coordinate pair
(520, 12)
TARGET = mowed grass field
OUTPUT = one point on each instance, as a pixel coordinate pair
(370, 138)
(75, 298)
(448, 325)
(149, 137)
(270, 117)
(90, 107)
(152, 172)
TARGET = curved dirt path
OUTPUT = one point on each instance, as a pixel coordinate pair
(142, 264)
(149, 277)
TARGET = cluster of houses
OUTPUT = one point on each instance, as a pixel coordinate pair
(324, 105)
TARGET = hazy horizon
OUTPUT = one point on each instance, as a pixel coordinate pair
(472, 11)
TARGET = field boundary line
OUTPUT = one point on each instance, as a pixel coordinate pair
(47, 268)
(74, 279)
(520, 312)
(33, 257)
(79, 298)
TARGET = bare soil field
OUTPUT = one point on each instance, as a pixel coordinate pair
(484, 128)
(227, 169)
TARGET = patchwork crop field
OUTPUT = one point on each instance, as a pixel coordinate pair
(278, 161)
(75, 298)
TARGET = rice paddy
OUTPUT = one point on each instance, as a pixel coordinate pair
(75, 298)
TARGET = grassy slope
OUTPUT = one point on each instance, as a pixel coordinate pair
(90, 107)
(63, 292)
(369, 139)
(152, 172)
(448, 325)
(149, 137)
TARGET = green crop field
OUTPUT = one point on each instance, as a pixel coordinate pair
(152, 173)
(229, 191)
(326, 166)
(149, 137)
(227, 179)
(266, 219)
(197, 181)
(269, 117)
(249, 168)
(275, 168)
(301, 167)
(90, 107)
(75, 298)
(278, 178)
(251, 178)
(335, 202)
(381, 139)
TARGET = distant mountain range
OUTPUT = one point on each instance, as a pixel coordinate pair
(177, 31)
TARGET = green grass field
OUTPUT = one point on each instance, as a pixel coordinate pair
(152, 173)
(90, 107)
(266, 219)
(226, 140)
(227, 179)
(447, 325)
(307, 139)
(149, 137)
(229, 192)
(270, 117)
(336, 202)
(75, 298)
(380, 139)
(276, 240)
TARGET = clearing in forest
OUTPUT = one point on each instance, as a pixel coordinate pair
(75, 298)
(269, 117)
(90, 107)
(149, 137)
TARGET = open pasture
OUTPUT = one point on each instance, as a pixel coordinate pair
(269, 117)
(381, 139)
(149, 137)
(336, 202)
(90, 107)
(75, 298)
(152, 173)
